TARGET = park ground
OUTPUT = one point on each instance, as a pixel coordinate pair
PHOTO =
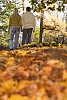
(33, 73)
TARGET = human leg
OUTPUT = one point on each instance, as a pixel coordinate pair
(24, 37)
(29, 35)
(11, 38)
(17, 31)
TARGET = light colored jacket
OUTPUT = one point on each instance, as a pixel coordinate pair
(28, 21)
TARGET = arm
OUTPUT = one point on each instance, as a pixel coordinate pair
(34, 24)
(20, 22)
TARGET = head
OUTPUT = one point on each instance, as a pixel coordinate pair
(15, 11)
(28, 9)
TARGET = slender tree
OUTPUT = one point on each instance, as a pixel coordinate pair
(40, 6)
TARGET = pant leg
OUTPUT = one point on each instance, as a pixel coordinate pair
(24, 37)
(29, 35)
(12, 30)
(17, 31)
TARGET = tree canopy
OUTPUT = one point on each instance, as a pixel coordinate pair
(5, 11)
(37, 5)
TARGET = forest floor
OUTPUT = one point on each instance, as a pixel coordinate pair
(37, 73)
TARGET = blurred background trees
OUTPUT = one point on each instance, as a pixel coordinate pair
(6, 7)
(45, 5)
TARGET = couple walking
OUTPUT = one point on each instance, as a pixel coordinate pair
(26, 23)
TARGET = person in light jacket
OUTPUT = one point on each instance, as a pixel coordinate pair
(15, 24)
(28, 25)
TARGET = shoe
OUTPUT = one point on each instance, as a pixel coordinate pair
(11, 49)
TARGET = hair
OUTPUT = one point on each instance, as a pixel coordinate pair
(28, 9)
(15, 10)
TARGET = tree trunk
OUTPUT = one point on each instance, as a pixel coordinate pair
(41, 29)
(41, 26)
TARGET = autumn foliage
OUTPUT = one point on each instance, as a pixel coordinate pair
(33, 74)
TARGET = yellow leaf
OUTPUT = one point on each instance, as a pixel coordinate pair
(65, 75)
(21, 53)
(18, 97)
(11, 61)
(8, 86)
(22, 85)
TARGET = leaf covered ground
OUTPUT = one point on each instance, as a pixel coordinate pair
(33, 74)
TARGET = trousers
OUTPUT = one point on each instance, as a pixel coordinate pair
(14, 37)
(26, 38)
